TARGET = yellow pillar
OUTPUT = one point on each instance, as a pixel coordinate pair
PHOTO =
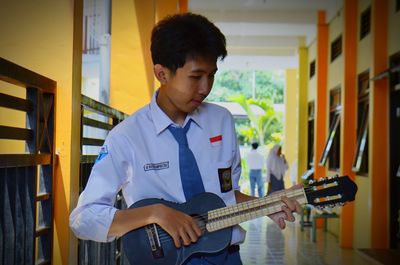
(131, 73)
(291, 116)
(302, 108)
(131, 70)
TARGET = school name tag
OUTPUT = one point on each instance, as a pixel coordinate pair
(156, 166)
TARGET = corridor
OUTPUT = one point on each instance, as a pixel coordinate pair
(267, 244)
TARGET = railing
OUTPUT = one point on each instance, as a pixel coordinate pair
(26, 178)
(97, 120)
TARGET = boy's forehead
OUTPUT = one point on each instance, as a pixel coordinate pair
(200, 64)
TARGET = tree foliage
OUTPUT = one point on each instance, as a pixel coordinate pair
(268, 85)
(263, 129)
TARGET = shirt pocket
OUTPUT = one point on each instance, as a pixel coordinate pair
(220, 179)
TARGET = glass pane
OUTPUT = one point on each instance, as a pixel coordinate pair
(362, 141)
(331, 136)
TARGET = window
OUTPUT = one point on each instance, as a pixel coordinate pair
(336, 48)
(312, 69)
(310, 136)
(360, 161)
(365, 23)
(332, 147)
(397, 5)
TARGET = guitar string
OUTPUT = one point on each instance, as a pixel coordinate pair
(164, 236)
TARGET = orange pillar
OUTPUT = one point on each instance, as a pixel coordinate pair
(321, 95)
(183, 6)
(379, 119)
(349, 110)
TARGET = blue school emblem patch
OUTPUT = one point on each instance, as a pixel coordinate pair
(103, 153)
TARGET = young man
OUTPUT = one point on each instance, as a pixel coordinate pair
(255, 162)
(143, 156)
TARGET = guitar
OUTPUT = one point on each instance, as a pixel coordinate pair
(152, 245)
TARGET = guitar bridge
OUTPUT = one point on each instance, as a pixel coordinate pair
(154, 240)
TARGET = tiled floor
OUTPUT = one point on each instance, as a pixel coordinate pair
(267, 244)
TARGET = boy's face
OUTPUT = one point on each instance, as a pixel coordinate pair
(184, 91)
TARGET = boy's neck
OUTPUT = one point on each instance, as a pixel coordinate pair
(176, 116)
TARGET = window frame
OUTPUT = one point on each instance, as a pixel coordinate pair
(310, 134)
(331, 136)
(338, 42)
(364, 18)
(312, 69)
(360, 160)
(335, 113)
(362, 143)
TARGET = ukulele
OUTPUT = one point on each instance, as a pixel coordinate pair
(152, 245)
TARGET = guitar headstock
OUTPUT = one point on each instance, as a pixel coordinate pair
(329, 192)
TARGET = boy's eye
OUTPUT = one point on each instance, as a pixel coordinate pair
(197, 77)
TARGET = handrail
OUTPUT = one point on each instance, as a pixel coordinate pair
(20, 76)
(102, 108)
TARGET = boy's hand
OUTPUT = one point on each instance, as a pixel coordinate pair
(180, 226)
(290, 206)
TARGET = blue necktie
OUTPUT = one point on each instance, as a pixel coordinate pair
(190, 174)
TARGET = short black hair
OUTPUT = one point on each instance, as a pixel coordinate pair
(254, 145)
(180, 37)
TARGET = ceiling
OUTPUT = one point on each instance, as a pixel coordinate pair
(264, 34)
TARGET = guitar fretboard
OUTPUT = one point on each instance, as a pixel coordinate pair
(245, 211)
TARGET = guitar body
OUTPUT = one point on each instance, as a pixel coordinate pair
(152, 245)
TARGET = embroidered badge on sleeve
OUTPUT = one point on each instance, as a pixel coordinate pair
(103, 153)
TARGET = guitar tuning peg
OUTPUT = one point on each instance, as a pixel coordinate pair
(310, 181)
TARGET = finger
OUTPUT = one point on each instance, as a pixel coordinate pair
(290, 203)
(297, 186)
(177, 240)
(282, 223)
(184, 237)
(192, 234)
(288, 213)
(197, 229)
(298, 207)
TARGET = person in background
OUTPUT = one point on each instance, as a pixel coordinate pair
(276, 168)
(255, 162)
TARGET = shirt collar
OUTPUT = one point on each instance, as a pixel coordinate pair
(162, 121)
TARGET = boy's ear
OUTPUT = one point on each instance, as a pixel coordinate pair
(160, 73)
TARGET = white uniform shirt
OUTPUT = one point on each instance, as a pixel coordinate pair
(140, 156)
(255, 160)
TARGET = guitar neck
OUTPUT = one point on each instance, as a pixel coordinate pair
(235, 214)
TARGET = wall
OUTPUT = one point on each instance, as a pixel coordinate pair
(40, 37)
(362, 234)
(335, 79)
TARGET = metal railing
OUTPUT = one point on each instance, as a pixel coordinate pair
(26, 178)
(97, 119)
